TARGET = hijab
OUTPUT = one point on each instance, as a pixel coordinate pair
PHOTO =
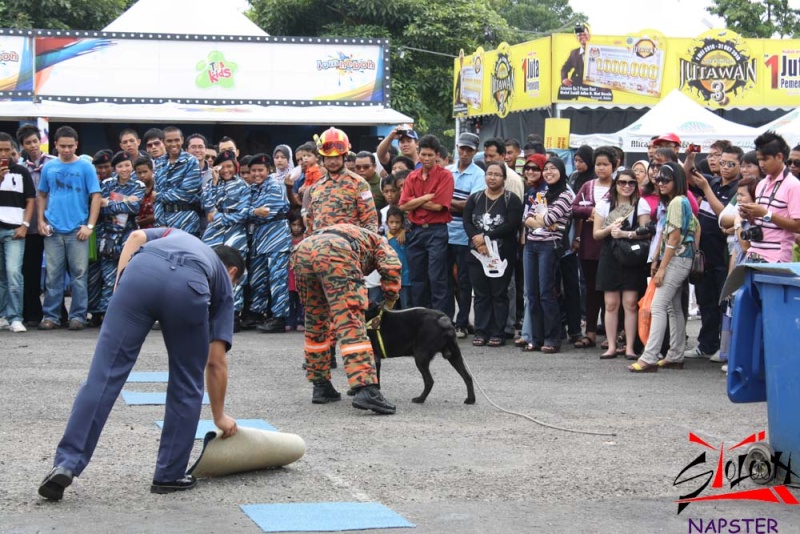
(555, 190)
(586, 153)
(286, 151)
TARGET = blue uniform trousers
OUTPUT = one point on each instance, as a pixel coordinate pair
(269, 281)
(151, 289)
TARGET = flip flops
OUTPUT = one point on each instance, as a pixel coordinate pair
(585, 343)
(638, 367)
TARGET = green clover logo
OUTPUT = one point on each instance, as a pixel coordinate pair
(216, 71)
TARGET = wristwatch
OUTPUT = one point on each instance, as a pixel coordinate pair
(26, 224)
(768, 216)
(90, 226)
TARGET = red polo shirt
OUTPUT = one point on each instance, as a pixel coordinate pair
(440, 182)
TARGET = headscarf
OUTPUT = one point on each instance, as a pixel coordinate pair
(555, 190)
(538, 159)
(286, 151)
(643, 162)
(576, 181)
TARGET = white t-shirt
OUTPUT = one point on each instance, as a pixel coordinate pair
(599, 192)
(603, 208)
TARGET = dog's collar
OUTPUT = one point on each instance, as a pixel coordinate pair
(375, 324)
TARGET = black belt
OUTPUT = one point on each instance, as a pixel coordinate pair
(175, 259)
(426, 225)
(352, 241)
(175, 207)
(278, 217)
(227, 210)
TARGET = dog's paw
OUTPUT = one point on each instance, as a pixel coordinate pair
(418, 400)
(470, 400)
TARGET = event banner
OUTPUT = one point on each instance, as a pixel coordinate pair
(609, 69)
(206, 70)
(718, 69)
(16, 66)
(512, 78)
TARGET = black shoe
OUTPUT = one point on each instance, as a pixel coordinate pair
(237, 324)
(371, 398)
(251, 322)
(273, 326)
(53, 485)
(96, 321)
(324, 392)
(186, 483)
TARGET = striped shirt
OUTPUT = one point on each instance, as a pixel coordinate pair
(558, 213)
(470, 181)
(780, 194)
(15, 190)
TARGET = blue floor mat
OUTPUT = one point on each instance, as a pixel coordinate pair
(140, 397)
(149, 377)
(323, 516)
(207, 425)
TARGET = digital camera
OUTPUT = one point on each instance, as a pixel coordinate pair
(754, 233)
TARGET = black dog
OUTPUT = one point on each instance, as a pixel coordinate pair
(421, 333)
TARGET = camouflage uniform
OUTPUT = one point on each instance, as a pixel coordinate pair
(341, 198)
(329, 268)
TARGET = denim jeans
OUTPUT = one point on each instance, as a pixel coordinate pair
(64, 251)
(459, 255)
(527, 323)
(541, 281)
(11, 253)
(667, 304)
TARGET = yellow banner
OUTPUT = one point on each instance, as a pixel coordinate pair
(556, 133)
(514, 78)
(718, 69)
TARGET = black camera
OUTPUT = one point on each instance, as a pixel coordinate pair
(580, 28)
(649, 229)
(754, 233)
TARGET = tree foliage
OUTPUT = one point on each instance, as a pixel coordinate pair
(758, 19)
(421, 82)
(61, 14)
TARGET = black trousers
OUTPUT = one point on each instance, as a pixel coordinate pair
(491, 300)
(32, 278)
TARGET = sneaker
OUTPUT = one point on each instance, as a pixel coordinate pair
(371, 398)
(695, 353)
(461, 332)
(4, 323)
(724, 368)
(75, 324)
(717, 357)
(17, 326)
(273, 326)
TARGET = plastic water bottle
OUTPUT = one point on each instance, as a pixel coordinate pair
(725, 339)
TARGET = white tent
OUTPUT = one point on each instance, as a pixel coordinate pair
(678, 114)
(788, 126)
(194, 17)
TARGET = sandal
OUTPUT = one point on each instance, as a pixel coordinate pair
(604, 344)
(611, 356)
(520, 342)
(547, 349)
(643, 367)
(585, 343)
(664, 364)
(479, 341)
(530, 347)
(496, 341)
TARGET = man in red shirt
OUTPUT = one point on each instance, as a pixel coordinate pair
(426, 198)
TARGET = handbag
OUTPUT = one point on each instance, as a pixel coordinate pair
(644, 314)
(631, 252)
(698, 266)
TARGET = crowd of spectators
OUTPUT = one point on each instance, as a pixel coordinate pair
(499, 237)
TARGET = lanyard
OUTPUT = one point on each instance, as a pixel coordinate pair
(774, 189)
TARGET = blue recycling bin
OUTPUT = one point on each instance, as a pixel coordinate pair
(764, 363)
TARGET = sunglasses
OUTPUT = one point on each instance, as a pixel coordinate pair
(627, 183)
(732, 164)
(525, 169)
(662, 180)
(793, 162)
